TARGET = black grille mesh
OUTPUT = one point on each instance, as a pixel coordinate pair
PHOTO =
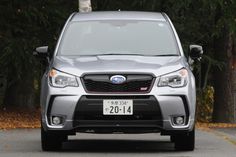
(134, 83)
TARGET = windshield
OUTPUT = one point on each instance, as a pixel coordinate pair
(118, 37)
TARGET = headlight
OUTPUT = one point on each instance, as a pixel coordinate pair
(60, 79)
(175, 79)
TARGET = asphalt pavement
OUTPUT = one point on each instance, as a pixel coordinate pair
(26, 143)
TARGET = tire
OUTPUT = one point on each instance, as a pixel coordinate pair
(185, 142)
(51, 141)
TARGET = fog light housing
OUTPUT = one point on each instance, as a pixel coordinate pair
(57, 120)
(178, 120)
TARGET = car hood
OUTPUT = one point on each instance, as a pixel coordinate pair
(79, 65)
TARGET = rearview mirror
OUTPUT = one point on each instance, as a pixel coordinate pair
(196, 52)
(41, 51)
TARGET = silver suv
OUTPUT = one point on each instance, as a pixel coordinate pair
(118, 72)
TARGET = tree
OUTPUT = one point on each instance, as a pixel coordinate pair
(24, 26)
(85, 6)
(27, 24)
(225, 49)
(208, 23)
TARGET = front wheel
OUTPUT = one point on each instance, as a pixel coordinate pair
(185, 141)
(51, 141)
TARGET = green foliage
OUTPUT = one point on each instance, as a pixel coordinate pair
(25, 25)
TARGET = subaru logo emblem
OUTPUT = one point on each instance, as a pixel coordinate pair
(117, 79)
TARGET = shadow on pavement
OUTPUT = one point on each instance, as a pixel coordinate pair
(117, 146)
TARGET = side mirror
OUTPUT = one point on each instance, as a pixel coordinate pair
(196, 52)
(41, 51)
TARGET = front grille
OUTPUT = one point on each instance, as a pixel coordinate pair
(135, 83)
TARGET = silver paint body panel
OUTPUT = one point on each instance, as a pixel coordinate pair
(169, 98)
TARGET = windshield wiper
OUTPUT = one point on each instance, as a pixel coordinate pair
(119, 54)
(109, 54)
(167, 55)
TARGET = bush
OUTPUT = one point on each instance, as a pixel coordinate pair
(205, 102)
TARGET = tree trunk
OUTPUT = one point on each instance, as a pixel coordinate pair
(224, 105)
(85, 6)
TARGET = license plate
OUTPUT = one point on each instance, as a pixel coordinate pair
(118, 107)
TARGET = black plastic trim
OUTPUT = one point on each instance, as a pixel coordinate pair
(99, 78)
(51, 100)
(88, 113)
(186, 107)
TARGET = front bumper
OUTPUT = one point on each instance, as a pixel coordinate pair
(166, 102)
